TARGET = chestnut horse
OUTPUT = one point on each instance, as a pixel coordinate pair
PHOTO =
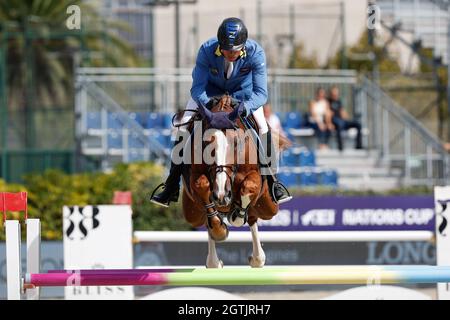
(227, 187)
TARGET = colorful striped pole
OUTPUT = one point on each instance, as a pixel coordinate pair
(294, 275)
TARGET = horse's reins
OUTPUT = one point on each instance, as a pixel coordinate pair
(258, 144)
(191, 119)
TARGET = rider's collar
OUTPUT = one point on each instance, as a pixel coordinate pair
(242, 54)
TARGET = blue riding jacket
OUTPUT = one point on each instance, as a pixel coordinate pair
(247, 83)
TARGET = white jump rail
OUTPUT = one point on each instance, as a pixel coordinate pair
(287, 236)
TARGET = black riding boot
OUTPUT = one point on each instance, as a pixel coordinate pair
(171, 190)
(277, 190)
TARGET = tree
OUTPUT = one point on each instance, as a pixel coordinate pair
(358, 57)
(299, 59)
(41, 49)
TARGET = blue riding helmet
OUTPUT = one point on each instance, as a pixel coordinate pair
(232, 34)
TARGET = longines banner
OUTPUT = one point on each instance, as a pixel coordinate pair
(333, 213)
(98, 237)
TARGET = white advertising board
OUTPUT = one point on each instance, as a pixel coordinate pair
(98, 237)
(442, 203)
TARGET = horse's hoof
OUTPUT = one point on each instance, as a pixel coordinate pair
(236, 220)
(257, 262)
(220, 235)
(214, 264)
(219, 231)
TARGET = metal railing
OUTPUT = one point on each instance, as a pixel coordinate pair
(151, 89)
(400, 140)
(91, 97)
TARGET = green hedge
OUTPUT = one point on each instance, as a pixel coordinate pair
(48, 192)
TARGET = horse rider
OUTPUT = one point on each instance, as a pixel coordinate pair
(229, 63)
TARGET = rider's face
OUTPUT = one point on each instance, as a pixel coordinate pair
(231, 55)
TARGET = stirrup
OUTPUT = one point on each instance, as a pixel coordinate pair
(152, 199)
(288, 198)
(156, 189)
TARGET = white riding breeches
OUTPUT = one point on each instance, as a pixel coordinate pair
(258, 114)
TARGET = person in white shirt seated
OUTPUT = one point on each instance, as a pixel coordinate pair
(320, 117)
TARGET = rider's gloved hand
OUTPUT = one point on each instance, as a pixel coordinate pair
(212, 102)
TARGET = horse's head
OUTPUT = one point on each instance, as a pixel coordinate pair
(223, 169)
(221, 173)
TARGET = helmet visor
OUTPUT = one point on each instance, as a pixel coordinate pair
(232, 48)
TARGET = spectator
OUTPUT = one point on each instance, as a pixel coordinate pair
(320, 118)
(341, 119)
(447, 146)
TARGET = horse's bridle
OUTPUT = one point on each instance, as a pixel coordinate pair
(221, 168)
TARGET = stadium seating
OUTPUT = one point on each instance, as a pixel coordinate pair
(115, 139)
(290, 158)
(293, 120)
(94, 120)
(135, 155)
(163, 139)
(329, 178)
(289, 179)
(114, 122)
(139, 117)
(308, 178)
(307, 159)
(154, 121)
(297, 164)
(134, 141)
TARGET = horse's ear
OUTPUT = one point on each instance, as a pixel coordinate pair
(236, 112)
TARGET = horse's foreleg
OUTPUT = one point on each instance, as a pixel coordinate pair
(248, 194)
(258, 257)
(217, 229)
(212, 260)
(239, 216)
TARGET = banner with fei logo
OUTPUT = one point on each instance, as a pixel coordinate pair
(98, 237)
(354, 213)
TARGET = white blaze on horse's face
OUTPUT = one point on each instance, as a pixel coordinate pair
(221, 189)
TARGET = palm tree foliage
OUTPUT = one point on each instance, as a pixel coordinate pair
(41, 51)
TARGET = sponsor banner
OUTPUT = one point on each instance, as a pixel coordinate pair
(442, 202)
(98, 237)
(333, 213)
